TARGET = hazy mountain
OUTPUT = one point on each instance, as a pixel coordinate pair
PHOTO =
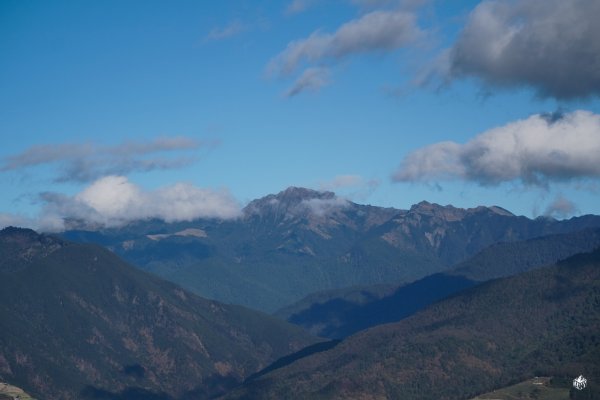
(300, 241)
(77, 322)
(544, 322)
(336, 314)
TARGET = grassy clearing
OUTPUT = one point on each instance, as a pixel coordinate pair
(12, 392)
(537, 388)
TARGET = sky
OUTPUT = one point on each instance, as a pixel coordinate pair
(114, 111)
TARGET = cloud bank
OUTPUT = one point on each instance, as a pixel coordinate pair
(114, 201)
(535, 151)
(85, 162)
(549, 45)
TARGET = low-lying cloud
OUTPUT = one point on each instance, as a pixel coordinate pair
(353, 187)
(114, 201)
(549, 45)
(534, 151)
(560, 208)
(85, 162)
(323, 207)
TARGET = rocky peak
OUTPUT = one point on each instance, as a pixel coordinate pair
(451, 213)
(286, 201)
(448, 213)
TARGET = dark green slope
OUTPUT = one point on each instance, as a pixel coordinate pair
(344, 312)
(511, 258)
(77, 322)
(544, 322)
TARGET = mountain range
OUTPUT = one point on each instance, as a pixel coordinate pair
(340, 313)
(77, 322)
(288, 245)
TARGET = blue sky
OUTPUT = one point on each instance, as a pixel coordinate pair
(218, 103)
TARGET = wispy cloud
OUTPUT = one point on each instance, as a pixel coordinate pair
(353, 187)
(560, 208)
(84, 162)
(115, 201)
(373, 32)
(312, 79)
(298, 6)
(376, 31)
(534, 151)
(551, 46)
(234, 28)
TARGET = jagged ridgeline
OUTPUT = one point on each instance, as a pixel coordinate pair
(77, 322)
(299, 241)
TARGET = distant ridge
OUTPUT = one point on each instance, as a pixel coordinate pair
(288, 245)
(337, 315)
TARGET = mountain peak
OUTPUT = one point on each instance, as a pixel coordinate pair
(20, 246)
(294, 193)
(286, 201)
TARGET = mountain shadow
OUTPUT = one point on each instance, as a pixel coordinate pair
(544, 322)
(352, 311)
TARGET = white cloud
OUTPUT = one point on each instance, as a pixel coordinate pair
(549, 45)
(115, 201)
(534, 151)
(372, 32)
(325, 206)
(311, 79)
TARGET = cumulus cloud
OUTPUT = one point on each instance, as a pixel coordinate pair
(311, 79)
(372, 32)
(84, 162)
(549, 45)
(115, 201)
(535, 151)
(561, 208)
(233, 28)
